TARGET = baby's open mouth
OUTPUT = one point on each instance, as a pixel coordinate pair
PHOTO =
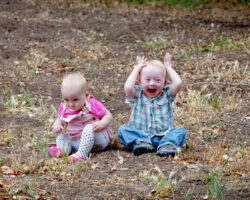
(151, 90)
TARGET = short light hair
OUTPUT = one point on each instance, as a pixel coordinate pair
(75, 80)
(159, 64)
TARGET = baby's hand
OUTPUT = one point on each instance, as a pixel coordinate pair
(141, 62)
(98, 126)
(57, 128)
(167, 60)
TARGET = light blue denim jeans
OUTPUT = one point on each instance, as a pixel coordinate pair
(130, 136)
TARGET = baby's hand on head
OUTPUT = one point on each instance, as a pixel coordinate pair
(97, 126)
(141, 62)
(167, 60)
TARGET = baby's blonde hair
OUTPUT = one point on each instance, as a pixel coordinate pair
(159, 64)
(75, 80)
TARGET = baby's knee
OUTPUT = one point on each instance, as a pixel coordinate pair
(100, 142)
(88, 128)
(61, 138)
(122, 128)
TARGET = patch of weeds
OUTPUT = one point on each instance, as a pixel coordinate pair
(92, 73)
(66, 155)
(17, 101)
(2, 161)
(165, 187)
(209, 137)
(221, 42)
(92, 76)
(210, 99)
(228, 71)
(93, 40)
(189, 194)
(245, 2)
(49, 117)
(21, 73)
(135, 1)
(151, 45)
(96, 49)
(213, 181)
(57, 165)
(27, 71)
(29, 189)
(47, 128)
(242, 184)
(6, 91)
(89, 163)
(40, 144)
(6, 137)
(215, 101)
(30, 67)
(192, 4)
(225, 144)
(79, 165)
(241, 144)
(202, 107)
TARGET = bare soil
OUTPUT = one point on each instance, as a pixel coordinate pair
(41, 41)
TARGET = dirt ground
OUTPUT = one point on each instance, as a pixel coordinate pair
(41, 41)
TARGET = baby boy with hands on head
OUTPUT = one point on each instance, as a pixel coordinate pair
(151, 124)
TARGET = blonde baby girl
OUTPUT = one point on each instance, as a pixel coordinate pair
(83, 123)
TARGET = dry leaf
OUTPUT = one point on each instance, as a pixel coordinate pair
(120, 158)
(7, 170)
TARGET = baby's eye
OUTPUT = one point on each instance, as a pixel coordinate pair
(75, 99)
(66, 100)
(147, 79)
(158, 80)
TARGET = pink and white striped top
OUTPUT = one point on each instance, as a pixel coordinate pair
(76, 120)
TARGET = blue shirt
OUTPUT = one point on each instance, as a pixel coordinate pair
(153, 116)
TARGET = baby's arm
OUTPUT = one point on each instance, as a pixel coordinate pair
(103, 123)
(129, 86)
(58, 126)
(176, 82)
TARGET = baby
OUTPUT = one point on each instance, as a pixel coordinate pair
(84, 120)
(151, 124)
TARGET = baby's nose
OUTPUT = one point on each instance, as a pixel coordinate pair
(152, 82)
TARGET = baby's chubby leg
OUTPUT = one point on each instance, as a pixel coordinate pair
(100, 141)
(64, 143)
(174, 138)
(87, 141)
(130, 136)
(135, 139)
